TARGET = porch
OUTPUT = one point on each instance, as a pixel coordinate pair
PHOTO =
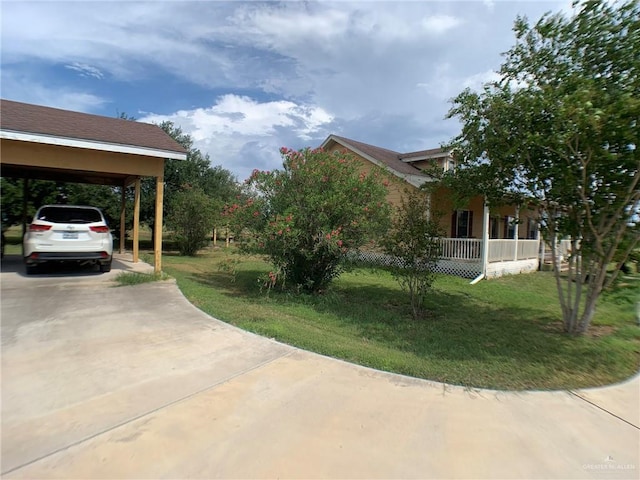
(464, 257)
(499, 250)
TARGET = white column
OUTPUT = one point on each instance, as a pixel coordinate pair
(485, 237)
(515, 234)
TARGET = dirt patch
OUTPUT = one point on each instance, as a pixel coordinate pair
(594, 331)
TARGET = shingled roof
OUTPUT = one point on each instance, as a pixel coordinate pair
(24, 118)
(390, 158)
(398, 163)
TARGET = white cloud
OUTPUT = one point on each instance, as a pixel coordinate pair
(441, 84)
(85, 70)
(224, 129)
(477, 80)
(439, 24)
(23, 88)
(490, 4)
(380, 72)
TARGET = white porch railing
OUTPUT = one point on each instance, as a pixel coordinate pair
(503, 250)
(461, 248)
(462, 256)
(563, 248)
(528, 249)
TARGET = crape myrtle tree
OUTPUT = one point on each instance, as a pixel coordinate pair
(561, 130)
(305, 217)
(414, 241)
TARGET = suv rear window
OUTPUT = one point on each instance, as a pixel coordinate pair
(69, 215)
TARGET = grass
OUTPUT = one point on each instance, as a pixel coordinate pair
(136, 278)
(502, 334)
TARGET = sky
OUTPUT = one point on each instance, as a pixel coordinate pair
(245, 78)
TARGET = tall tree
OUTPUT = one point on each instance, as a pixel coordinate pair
(196, 171)
(561, 130)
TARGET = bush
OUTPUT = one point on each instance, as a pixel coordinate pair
(306, 217)
(191, 218)
(414, 239)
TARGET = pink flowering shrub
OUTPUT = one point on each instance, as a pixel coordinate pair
(306, 217)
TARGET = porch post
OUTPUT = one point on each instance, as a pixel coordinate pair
(428, 205)
(515, 233)
(136, 220)
(157, 247)
(485, 237)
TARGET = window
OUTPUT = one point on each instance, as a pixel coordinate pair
(509, 226)
(69, 215)
(448, 164)
(532, 229)
(462, 224)
(494, 227)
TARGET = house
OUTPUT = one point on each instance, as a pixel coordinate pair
(483, 242)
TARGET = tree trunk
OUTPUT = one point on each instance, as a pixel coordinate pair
(587, 314)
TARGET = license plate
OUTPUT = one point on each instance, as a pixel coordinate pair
(70, 235)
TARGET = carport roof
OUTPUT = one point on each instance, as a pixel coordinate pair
(35, 123)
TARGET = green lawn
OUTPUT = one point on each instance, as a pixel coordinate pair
(503, 333)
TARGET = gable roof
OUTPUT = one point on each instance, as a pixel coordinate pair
(397, 163)
(35, 123)
(424, 155)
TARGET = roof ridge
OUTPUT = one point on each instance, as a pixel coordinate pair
(418, 153)
(349, 140)
(400, 155)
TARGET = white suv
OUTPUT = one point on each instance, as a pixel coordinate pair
(63, 233)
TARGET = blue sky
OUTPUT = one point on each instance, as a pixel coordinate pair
(245, 78)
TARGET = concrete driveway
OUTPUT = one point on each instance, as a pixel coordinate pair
(135, 382)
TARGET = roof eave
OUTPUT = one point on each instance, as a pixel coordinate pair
(418, 180)
(430, 156)
(413, 179)
(90, 144)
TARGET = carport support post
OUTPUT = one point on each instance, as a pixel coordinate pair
(157, 253)
(25, 196)
(136, 220)
(123, 198)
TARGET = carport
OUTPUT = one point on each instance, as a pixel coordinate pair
(46, 143)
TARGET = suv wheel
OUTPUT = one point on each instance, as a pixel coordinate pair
(105, 267)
